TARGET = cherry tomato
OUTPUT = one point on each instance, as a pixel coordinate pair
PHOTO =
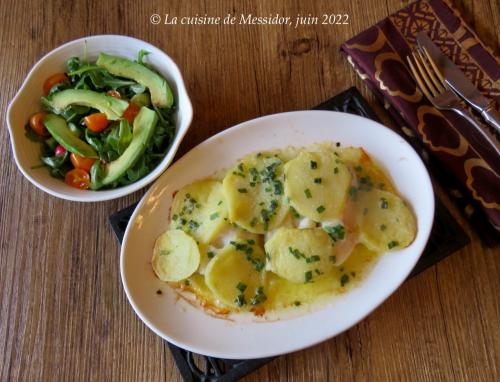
(114, 93)
(96, 122)
(60, 150)
(131, 112)
(54, 80)
(78, 178)
(81, 162)
(36, 124)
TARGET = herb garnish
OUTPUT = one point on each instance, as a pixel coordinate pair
(344, 279)
(241, 287)
(314, 165)
(214, 216)
(320, 209)
(308, 277)
(317, 180)
(384, 204)
(336, 232)
(240, 300)
(392, 244)
(259, 296)
(308, 194)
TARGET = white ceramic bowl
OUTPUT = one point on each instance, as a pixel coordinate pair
(27, 101)
(244, 335)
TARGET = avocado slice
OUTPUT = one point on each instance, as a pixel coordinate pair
(112, 107)
(65, 137)
(161, 94)
(143, 130)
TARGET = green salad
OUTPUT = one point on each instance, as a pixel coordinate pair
(105, 124)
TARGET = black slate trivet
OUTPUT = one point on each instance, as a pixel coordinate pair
(446, 237)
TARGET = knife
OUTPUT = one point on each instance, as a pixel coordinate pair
(459, 83)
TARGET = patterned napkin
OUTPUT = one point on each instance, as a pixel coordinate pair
(379, 57)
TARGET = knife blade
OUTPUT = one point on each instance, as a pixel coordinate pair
(454, 77)
(459, 83)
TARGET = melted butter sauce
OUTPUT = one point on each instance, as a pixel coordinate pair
(283, 295)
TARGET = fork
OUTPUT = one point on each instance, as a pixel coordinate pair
(432, 83)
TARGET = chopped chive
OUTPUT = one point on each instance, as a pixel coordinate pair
(384, 204)
(210, 254)
(259, 296)
(214, 216)
(308, 194)
(320, 209)
(383, 227)
(314, 165)
(241, 287)
(297, 303)
(308, 277)
(240, 300)
(313, 259)
(336, 170)
(317, 180)
(336, 232)
(295, 214)
(392, 244)
(333, 259)
(242, 190)
(344, 279)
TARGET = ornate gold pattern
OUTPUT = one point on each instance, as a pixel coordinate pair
(463, 145)
(373, 47)
(468, 166)
(379, 60)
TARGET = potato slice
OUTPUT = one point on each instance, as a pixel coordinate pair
(175, 256)
(298, 255)
(317, 184)
(235, 275)
(200, 210)
(385, 222)
(254, 193)
(368, 174)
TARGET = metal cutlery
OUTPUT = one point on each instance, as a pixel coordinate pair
(459, 83)
(434, 86)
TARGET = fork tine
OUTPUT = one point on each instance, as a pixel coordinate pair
(432, 72)
(434, 66)
(420, 83)
(423, 74)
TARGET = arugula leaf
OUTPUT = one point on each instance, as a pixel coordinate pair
(55, 161)
(83, 69)
(73, 64)
(140, 57)
(72, 112)
(96, 175)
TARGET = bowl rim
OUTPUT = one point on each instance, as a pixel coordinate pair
(423, 235)
(104, 195)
